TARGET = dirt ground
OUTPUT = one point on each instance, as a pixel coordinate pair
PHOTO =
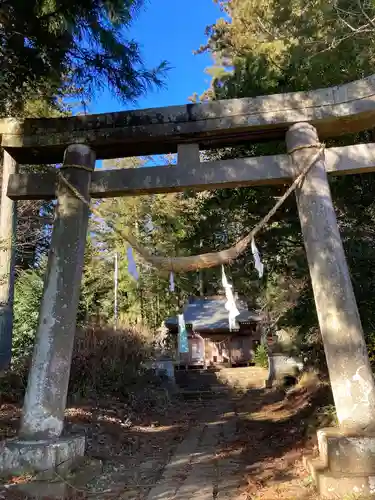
(244, 444)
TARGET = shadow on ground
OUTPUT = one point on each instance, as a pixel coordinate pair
(219, 439)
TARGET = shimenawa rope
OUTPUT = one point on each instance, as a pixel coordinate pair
(206, 260)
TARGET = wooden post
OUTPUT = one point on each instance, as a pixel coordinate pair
(350, 373)
(8, 227)
(188, 158)
(45, 399)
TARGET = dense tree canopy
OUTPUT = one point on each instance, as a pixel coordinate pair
(277, 46)
(50, 48)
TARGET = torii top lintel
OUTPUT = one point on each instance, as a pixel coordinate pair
(334, 111)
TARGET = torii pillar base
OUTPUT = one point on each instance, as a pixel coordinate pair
(346, 464)
(347, 455)
(44, 459)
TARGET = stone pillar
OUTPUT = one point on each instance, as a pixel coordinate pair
(350, 373)
(8, 226)
(45, 399)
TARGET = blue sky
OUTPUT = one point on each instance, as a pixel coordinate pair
(170, 30)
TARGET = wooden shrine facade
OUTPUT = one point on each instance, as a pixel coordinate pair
(211, 341)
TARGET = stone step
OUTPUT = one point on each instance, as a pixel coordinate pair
(196, 380)
(347, 453)
(186, 394)
(332, 486)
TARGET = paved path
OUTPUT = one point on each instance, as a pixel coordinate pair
(223, 448)
(196, 469)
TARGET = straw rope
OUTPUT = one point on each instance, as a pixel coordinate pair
(205, 260)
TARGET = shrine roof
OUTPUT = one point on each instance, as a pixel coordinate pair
(209, 313)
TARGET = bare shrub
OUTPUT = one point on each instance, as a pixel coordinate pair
(106, 363)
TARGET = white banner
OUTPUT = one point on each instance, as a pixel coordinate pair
(230, 305)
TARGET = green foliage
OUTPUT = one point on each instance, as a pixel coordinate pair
(278, 46)
(95, 285)
(27, 297)
(261, 356)
(54, 47)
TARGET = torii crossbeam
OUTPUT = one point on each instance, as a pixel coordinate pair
(334, 111)
(241, 172)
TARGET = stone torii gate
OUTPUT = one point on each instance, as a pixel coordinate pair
(347, 461)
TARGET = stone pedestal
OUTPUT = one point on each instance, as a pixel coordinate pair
(164, 367)
(45, 458)
(346, 464)
(281, 365)
(56, 488)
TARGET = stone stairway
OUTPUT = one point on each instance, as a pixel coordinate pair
(199, 384)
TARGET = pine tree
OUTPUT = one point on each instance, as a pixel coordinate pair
(54, 47)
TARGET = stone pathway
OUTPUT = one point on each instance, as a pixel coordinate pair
(195, 470)
(224, 448)
(227, 447)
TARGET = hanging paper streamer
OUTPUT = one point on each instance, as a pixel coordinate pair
(258, 263)
(230, 305)
(132, 267)
(171, 282)
(183, 345)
